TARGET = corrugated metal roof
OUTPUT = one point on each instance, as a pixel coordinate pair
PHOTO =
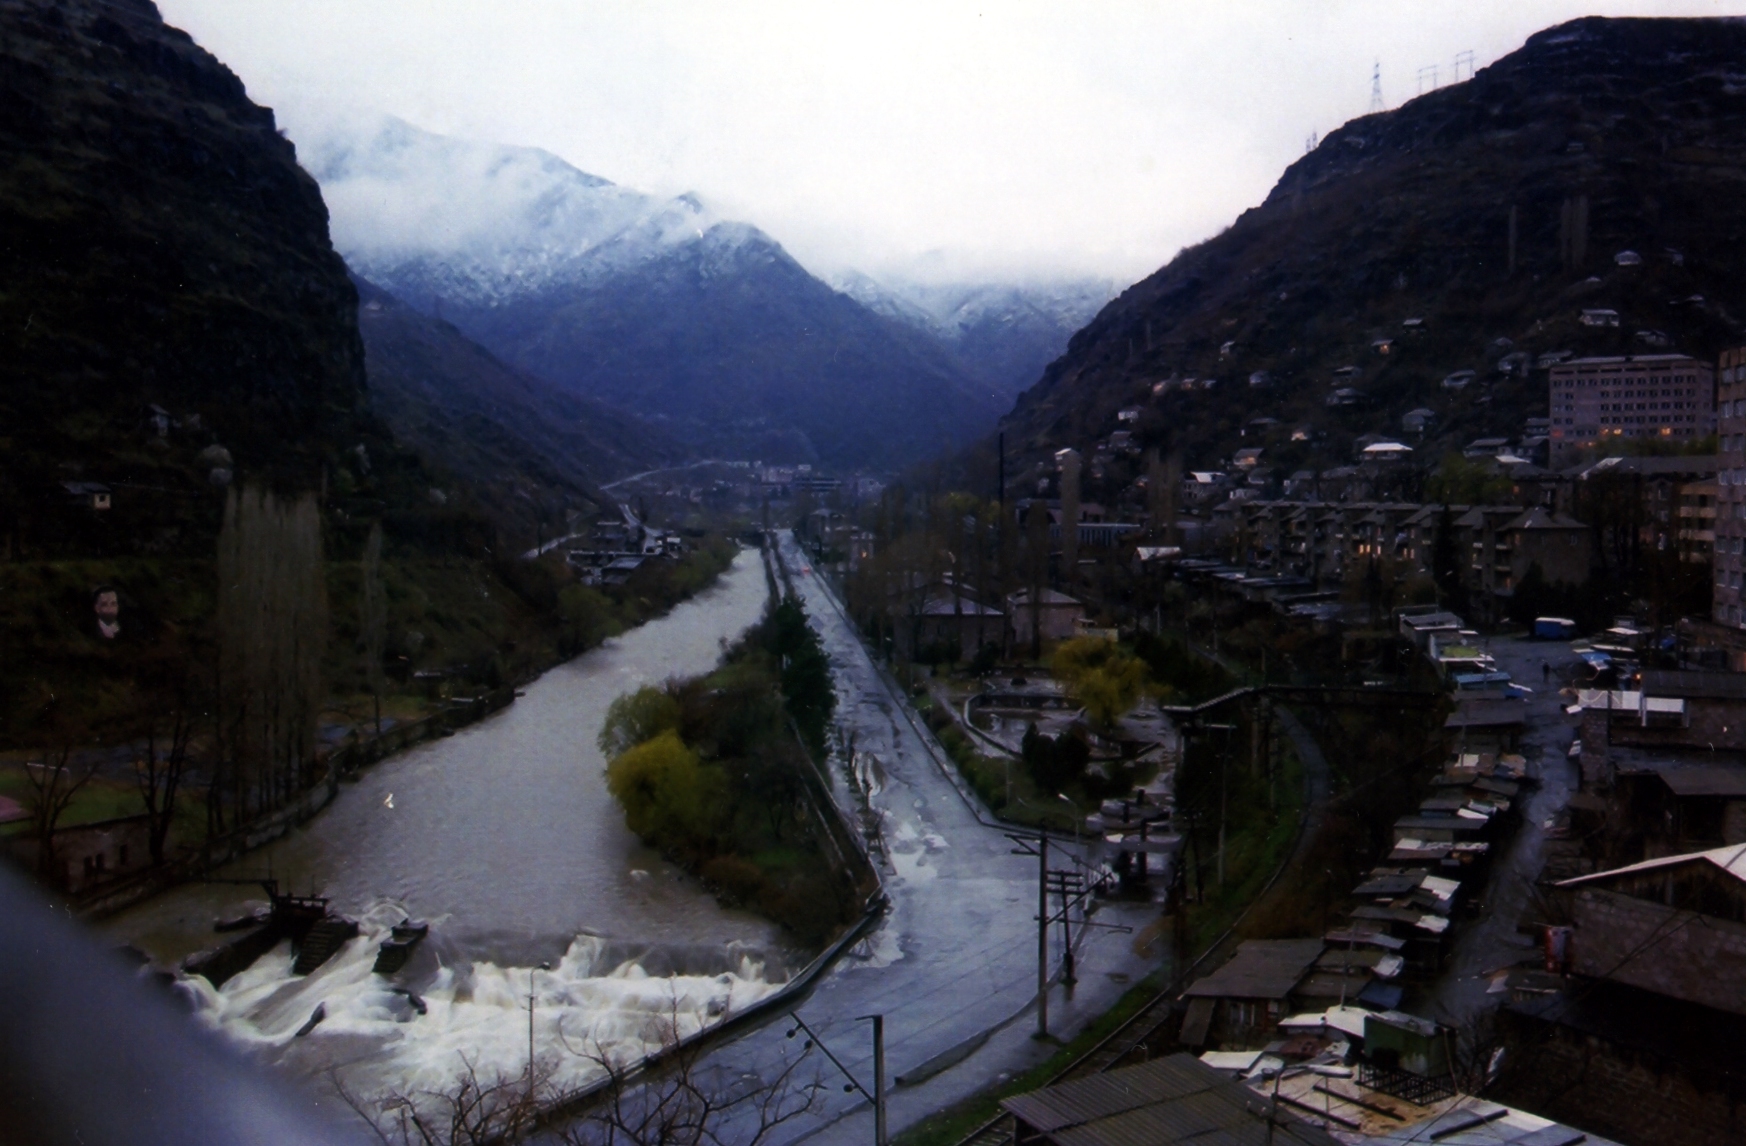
(1173, 1099)
(1731, 859)
(1261, 969)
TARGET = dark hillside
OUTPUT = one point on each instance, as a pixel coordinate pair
(159, 246)
(1597, 137)
(732, 347)
(524, 445)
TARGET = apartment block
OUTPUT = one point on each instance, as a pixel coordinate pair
(1730, 519)
(1597, 400)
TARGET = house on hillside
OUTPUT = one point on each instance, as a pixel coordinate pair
(1053, 616)
(1417, 421)
(86, 494)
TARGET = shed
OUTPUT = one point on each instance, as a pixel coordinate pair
(1398, 1041)
(1245, 999)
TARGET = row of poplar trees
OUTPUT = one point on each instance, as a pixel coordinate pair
(272, 630)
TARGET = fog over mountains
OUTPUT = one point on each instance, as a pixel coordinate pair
(705, 326)
(1003, 334)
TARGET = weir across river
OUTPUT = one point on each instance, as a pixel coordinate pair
(505, 839)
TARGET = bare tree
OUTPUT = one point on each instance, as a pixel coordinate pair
(681, 1102)
(472, 1110)
(159, 770)
(674, 1098)
(52, 785)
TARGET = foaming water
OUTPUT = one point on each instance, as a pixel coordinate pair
(506, 840)
(601, 998)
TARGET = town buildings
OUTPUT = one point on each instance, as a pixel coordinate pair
(1730, 504)
(1594, 400)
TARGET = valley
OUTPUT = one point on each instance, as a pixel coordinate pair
(685, 672)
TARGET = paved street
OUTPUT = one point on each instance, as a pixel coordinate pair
(1490, 942)
(952, 967)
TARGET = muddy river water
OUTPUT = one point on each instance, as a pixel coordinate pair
(504, 838)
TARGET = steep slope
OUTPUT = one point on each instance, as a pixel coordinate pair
(499, 429)
(159, 246)
(1596, 138)
(1002, 334)
(653, 305)
(730, 344)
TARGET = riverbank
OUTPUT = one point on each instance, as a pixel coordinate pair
(504, 838)
(587, 618)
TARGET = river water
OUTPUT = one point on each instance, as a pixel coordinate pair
(504, 838)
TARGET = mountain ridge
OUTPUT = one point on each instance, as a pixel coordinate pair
(658, 306)
(1407, 214)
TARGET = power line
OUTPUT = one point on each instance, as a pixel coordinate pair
(1428, 71)
(1376, 103)
(1463, 60)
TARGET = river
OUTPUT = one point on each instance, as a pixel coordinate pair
(504, 838)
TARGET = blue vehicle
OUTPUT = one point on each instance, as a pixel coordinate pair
(1554, 628)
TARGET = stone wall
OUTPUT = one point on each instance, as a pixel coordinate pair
(1660, 949)
(1597, 1086)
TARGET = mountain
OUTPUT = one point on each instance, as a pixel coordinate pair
(1002, 334)
(159, 246)
(1599, 166)
(705, 326)
(497, 428)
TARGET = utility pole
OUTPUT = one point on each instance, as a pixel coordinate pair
(878, 1078)
(531, 996)
(1376, 103)
(1038, 846)
(877, 1097)
(1070, 886)
(1043, 937)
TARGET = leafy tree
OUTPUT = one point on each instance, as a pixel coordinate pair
(669, 797)
(635, 718)
(805, 671)
(1101, 676)
(1464, 481)
(587, 617)
(1054, 762)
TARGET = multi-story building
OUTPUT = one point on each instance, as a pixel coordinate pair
(1730, 521)
(1594, 400)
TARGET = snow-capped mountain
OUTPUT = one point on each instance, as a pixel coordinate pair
(704, 325)
(1003, 334)
(481, 223)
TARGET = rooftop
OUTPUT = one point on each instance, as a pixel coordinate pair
(1175, 1099)
(1261, 969)
(1730, 859)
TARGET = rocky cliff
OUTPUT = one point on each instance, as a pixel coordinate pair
(166, 280)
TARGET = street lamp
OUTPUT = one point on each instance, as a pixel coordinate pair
(1074, 812)
(531, 971)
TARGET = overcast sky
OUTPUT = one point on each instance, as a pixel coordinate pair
(939, 138)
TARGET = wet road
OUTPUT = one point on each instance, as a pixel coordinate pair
(952, 966)
(1490, 942)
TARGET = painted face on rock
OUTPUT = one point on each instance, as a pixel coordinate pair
(107, 605)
